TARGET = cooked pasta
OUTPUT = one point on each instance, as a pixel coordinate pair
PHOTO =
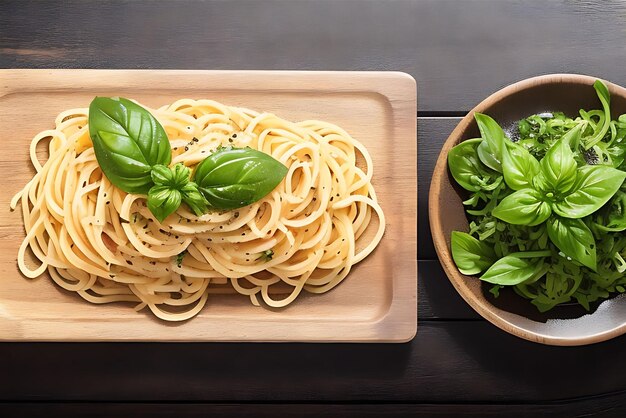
(104, 244)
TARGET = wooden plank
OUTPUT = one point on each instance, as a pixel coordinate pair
(437, 298)
(609, 406)
(376, 303)
(452, 361)
(432, 132)
(459, 52)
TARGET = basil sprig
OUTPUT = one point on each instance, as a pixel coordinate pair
(134, 153)
(559, 190)
(171, 187)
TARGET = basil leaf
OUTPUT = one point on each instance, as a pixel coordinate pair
(164, 176)
(574, 238)
(490, 153)
(512, 270)
(128, 141)
(193, 198)
(232, 178)
(572, 136)
(465, 166)
(470, 255)
(523, 207)
(163, 201)
(613, 218)
(519, 167)
(617, 152)
(531, 254)
(487, 157)
(559, 166)
(594, 186)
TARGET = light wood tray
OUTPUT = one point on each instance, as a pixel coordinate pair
(376, 302)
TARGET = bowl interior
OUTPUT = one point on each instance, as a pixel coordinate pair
(563, 325)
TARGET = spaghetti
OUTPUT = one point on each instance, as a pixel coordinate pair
(105, 245)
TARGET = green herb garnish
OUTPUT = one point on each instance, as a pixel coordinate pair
(134, 153)
(546, 207)
(179, 258)
(232, 178)
(171, 188)
(266, 255)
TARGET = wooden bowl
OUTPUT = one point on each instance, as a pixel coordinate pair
(563, 325)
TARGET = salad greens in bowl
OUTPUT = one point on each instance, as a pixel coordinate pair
(528, 209)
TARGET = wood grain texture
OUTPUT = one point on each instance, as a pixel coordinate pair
(451, 361)
(438, 299)
(609, 406)
(432, 133)
(458, 51)
(377, 302)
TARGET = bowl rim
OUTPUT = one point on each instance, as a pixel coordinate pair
(458, 280)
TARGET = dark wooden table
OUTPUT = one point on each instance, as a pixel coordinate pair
(459, 52)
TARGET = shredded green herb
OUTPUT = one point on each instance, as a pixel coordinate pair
(546, 206)
(179, 258)
(266, 255)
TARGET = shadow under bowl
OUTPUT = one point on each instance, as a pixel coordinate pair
(564, 325)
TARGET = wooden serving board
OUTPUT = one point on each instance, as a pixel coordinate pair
(376, 302)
